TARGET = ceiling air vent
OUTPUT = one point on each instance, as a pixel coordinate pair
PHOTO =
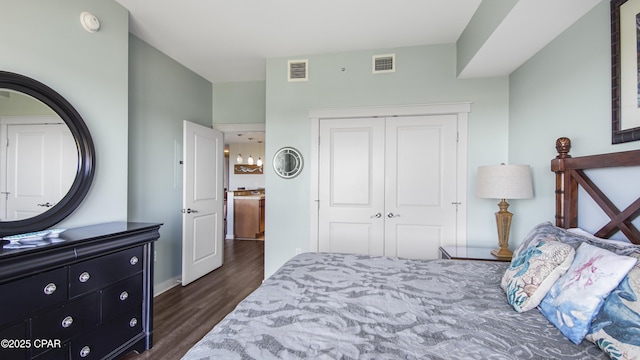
(384, 63)
(298, 70)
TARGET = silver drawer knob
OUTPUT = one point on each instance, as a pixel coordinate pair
(84, 352)
(50, 288)
(66, 322)
(84, 277)
(124, 295)
(133, 322)
(133, 260)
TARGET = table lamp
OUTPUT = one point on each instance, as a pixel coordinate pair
(504, 182)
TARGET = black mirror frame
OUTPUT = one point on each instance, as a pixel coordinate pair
(618, 135)
(84, 144)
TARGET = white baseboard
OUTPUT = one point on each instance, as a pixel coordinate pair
(165, 285)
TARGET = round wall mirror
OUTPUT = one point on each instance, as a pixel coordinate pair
(47, 168)
(287, 162)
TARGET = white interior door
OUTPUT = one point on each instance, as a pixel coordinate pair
(203, 201)
(420, 186)
(40, 166)
(351, 186)
(387, 186)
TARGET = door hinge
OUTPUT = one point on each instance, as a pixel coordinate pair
(457, 204)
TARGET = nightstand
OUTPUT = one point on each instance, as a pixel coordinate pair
(469, 253)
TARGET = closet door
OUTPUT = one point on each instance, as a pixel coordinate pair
(420, 185)
(386, 185)
(351, 186)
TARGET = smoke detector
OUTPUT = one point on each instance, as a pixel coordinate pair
(89, 22)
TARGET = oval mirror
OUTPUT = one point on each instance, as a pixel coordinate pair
(47, 168)
(287, 162)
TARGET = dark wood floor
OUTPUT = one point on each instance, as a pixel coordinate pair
(183, 315)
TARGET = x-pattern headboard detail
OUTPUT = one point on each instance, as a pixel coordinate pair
(570, 175)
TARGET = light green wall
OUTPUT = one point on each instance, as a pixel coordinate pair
(564, 90)
(44, 40)
(239, 102)
(91, 70)
(162, 93)
(424, 75)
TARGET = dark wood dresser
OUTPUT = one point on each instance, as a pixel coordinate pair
(85, 295)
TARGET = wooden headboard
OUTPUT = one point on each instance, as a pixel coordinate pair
(570, 175)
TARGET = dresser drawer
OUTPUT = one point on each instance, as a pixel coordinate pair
(17, 347)
(61, 353)
(97, 273)
(108, 337)
(34, 293)
(122, 296)
(68, 320)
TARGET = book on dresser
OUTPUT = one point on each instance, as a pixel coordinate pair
(86, 293)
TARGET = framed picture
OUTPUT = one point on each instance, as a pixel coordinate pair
(625, 70)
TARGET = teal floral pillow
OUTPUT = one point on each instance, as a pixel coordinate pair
(574, 300)
(533, 273)
(616, 328)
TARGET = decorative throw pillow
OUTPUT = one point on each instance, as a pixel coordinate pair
(533, 273)
(576, 297)
(549, 231)
(585, 233)
(543, 231)
(615, 246)
(616, 328)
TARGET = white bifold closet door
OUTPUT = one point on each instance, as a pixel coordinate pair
(387, 186)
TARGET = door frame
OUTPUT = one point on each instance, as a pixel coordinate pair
(239, 127)
(461, 110)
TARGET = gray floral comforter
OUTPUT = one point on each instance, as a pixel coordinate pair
(338, 306)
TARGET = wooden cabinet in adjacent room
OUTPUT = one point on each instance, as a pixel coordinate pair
(249, 216)
(85, 295)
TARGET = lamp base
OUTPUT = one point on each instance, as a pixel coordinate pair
(502, 253)
(503, 222)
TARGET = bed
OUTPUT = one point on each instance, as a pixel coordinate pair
(331, 306)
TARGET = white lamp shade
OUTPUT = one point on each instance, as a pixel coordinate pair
(504, 182)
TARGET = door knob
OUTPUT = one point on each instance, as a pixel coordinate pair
(377, 215)
(392, 215)
(189, 211)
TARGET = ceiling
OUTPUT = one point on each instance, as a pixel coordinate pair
(244, 137)
(229, 40)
